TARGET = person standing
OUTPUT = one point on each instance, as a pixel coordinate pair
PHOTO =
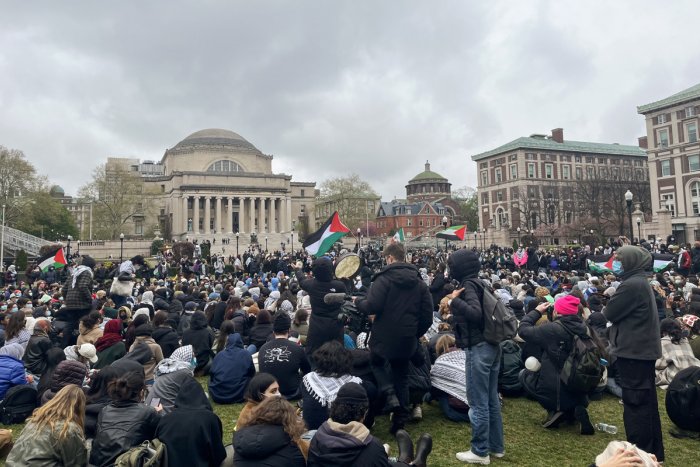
(403, 311)
(77, 291)
(636, 343)
(482, 360)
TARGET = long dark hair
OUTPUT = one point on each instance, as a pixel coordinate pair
(670, 327)
(227, 328)
(257, 386)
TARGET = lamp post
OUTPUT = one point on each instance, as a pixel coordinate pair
(639, 229)
(70, 237)
(518, 229)
(237, 235)
(78, 252)
(592, 238)
(476, 242)
(292, 240)
(359, 238)
(121, 247)
(483, 239)
(444, 227)
(628, 200)
(265, 243)
(2, 241)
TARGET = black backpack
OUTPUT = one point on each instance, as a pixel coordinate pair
(18, 404)
(511, 365)
(683, 399)
(500, 324)
(582, 370)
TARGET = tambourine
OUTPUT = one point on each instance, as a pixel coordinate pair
(348, 265)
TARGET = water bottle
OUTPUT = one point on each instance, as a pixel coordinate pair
(604, 427)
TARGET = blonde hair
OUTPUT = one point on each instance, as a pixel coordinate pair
(68, 405)
(443, 344)
(277, 411)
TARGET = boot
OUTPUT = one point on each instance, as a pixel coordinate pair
(581, 415)
(423, 448)
(398, 421)
(405, 444)
(392, 402)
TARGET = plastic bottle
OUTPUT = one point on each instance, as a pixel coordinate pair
(611, 429)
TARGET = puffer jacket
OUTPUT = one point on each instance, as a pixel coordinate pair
(11, 373)
(67, 372)
(40, 446)
(467, 309)
(265, 446)
(121, 426)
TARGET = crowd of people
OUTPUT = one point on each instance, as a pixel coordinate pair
(110, 352)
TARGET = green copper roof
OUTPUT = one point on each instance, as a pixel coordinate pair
(545, 144)
(427, 175)
(688, 94)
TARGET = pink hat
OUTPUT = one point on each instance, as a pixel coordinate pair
(689, 320)
(567, 305)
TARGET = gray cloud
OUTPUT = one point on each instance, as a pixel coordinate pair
(331, 88)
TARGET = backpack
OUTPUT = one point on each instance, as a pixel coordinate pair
(683, 399)
(511, 365)
(582, 369)
(18, 404)
(147, 454)
(500, 323)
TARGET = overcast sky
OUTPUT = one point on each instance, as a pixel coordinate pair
(332, 87)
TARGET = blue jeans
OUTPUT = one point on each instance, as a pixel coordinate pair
(451, 413)
(483, 362)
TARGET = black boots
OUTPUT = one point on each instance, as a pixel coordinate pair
(423, 447)
(405, 444)
(581, 415)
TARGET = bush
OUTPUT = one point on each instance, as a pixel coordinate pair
(181, 249)
(156, 246)
(21, 260)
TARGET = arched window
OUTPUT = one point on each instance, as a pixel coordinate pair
(225, 166)
(695, 197)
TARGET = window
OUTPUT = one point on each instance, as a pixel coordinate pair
(530, 156)
(669, 200)
(138, 227)
(499, 176)
(548, 171)
(484, 178)
(566, 172)
(694, 162)
(615, 173)
(302, 192)
(568, 217)
(589, 160)
(692, 131)
(483, 165)
(689, 112)
(589, 172)
(577, 159)
(302, 209)
(499, 195)
(513, 171)
(408, 222)
(661, 118)
(225, 166)
(420, 222)
(531, 170)
(665, 168)
(602, 160)
(695, 197)
(663, 138)
(579, 173)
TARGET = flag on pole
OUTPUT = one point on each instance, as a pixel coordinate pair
(603, 263)
(319, 242)
(56, 259)
(454, 233)
(399, 237)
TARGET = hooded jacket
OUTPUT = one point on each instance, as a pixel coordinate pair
(265, 446)
(345, 446)
(167, 338)
(467, 309)
(150, 366)
(11, 372)
(67, 372)
(634, 333)
(192, 433)
(403, 310)
(230, 372)
(200, 337)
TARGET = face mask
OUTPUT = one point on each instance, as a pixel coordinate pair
(193, 363)
(14, 310)
(617, 267)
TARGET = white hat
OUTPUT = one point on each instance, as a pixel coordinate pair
(88, 351)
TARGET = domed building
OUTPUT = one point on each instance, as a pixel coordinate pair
(427, 186)
(215, 183)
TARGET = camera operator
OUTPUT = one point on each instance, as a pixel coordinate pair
(403, 311)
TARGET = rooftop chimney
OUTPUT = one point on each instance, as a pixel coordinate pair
(427, 166)
(558, 135)
(643, 142)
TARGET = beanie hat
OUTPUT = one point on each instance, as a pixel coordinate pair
(190, 307)
(282, 323)
(144, 330)
(352, 393)
(567, 305)
(142, 311)
(88, 351)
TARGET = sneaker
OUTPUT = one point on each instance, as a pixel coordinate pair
(417, 414)
(498, 455)
(471, 458)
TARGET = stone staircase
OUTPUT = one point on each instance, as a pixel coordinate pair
(15, 240)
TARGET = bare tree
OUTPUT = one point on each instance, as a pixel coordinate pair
(350, 196)
(18, 181)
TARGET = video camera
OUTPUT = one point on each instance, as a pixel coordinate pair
(349, 315)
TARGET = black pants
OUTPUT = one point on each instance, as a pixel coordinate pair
(641, 407)
(392, 377)
(72, 319)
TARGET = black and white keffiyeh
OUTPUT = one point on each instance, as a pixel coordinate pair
(325, 388)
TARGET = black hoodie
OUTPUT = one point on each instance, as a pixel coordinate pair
(200, 337)
(403, 310)
(345, 445)
(265, 446)
(192, 433)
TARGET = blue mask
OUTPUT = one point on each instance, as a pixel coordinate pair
(617, 267)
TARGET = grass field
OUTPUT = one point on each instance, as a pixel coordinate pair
(527, 443)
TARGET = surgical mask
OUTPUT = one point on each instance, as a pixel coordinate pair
(47, 313)
(193, 363)
(617, 267)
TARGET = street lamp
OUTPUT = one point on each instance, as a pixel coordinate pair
(78, 252)
(518, 229)
(68, 250)
(237, 235)
(444, 227)
(121, 247)
(476, 243)
(2, 241)
(483, 239)
(292, 240)
(639, 229)
(359, 237)
(628, 200)
(265, 243)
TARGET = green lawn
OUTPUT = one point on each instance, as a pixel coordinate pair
(527, 443)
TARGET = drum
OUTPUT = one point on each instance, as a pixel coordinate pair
(347, 265)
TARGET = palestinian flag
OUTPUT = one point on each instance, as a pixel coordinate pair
(399, 237)
(56, 259)
(603, 263)
(319, 242)
(454, 233)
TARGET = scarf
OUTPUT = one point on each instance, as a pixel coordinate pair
(325, 388)
(79, 270)
(448, 375)
(181, 359)
(112, 335)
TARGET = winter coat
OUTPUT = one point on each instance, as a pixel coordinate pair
(346, 445)
(80, 296)
(265, 446)
(201, 338)
(632, 309)
(674, 358)
(92, 413)
(67, 372)
(121, 426)
(219, 313)
(259, 334)
(437, 288)
(11, 374)
(35, 354)
(150, 366)
(40, 447)
(88, 336)
(403, 310)
(192, 433)
(556, 344)
(230, 372)
(324, 326)
(110, 355)
(167, 338)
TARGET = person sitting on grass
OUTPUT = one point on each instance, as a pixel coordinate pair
(170, 375)
(53, 435)
(343, 440)
(272, 436)
(230, 372)
(260, 387)
(676, 353)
